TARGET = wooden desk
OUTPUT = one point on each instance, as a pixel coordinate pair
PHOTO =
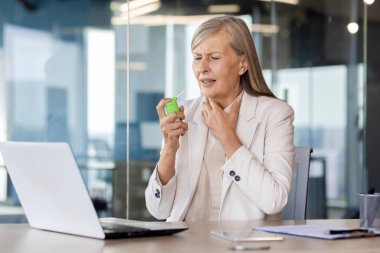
(15, 238)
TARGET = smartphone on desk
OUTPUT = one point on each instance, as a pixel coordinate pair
(245, 236)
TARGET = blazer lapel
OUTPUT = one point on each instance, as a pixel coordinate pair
(246, 125)
(197, 136)
(245, 130)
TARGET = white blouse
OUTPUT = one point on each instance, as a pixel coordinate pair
(205, 205)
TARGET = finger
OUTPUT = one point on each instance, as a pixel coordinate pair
(175, 125)
(211, 103)
(184, 127)
(204, 117)
(164, 127)
(206, 105)
(179, 115)
(214, 105)
(166, 123)
(175, 116)
(170, 126)
(160, 107)
(205, 114)
(177, 132)
(182, 112)
(175, 129)
(236, 106)
(184, 132)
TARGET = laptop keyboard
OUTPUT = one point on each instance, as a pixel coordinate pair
(119, 228)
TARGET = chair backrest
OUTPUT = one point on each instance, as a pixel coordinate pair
(295, 209)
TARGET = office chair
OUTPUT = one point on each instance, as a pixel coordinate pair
(295, 209)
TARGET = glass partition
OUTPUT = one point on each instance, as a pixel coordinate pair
(312, 56)
(57, 83)
(91, 73)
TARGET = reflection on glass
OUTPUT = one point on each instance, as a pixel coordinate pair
(82, 72)
(304, 50)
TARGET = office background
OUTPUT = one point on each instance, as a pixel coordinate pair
(90, 72)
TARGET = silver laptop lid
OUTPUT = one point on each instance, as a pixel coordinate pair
(50, 188)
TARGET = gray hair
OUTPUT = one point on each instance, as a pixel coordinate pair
(241, 41)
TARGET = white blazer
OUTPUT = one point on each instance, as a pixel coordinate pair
(256, 179)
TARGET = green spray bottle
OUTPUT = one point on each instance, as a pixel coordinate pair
(172, 106)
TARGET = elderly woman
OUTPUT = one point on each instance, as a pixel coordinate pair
(230, 156)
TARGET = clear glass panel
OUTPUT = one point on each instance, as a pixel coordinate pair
(82, 72)
(57, 79)
(310, 59)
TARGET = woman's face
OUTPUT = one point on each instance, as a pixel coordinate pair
(217, 69)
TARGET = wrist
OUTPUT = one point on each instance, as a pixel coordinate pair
(231, 144)
(169, 149)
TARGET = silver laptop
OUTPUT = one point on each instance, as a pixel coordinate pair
(54, 197)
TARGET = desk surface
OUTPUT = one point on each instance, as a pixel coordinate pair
(21, 238)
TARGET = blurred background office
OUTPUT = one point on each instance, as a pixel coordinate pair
(90, 73)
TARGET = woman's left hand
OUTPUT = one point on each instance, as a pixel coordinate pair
(222, 124)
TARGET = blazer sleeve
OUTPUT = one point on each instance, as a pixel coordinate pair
(267, 184)
(159, 198)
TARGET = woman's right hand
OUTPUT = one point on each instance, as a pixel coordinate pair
(172, 126)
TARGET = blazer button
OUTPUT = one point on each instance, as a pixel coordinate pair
(232, 173)
(157, 194)
(237, 178)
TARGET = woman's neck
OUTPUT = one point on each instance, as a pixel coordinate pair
(228, 101)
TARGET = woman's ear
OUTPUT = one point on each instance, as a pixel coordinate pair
(243, 65)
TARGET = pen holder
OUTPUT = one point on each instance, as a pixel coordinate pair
(171, 106)
(369, 210)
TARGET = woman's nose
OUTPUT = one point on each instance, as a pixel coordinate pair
(203, 66)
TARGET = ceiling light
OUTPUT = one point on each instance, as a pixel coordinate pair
(136, 8)
(159, 20)
(136, 4)
(292, 2)
(144, 10)
(263, 28)
(353, 27)
(369, 2)
(223, 8)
